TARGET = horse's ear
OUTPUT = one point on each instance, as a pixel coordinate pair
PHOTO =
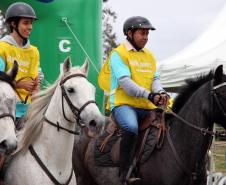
(85, 66)
(67, 65)
(218, 75)
(13, 71)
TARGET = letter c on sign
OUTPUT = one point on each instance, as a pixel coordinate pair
(64, 48)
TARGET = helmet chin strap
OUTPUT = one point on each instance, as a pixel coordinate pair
(133, 43)
(23, 38)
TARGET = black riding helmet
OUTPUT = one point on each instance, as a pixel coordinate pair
(20, 9)
(136, 22)
(16, 11)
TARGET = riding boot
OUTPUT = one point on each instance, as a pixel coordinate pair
(127, 152)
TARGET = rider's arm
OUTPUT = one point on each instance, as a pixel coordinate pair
(156, 85)
(122, 73)
(132, 88)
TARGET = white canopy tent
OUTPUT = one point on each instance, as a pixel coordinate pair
(202, 55)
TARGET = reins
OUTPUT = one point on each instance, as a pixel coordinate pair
(24, 101)
(204, 131)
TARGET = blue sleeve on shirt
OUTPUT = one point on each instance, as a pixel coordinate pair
(118, 67)
(2, 64)
(156, 75)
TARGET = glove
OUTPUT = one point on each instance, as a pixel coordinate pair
(159, 99)
(164, 99)
(154, 98)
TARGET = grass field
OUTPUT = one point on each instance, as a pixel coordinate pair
(218, 153)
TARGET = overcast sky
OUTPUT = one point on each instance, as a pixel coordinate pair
(177, 22)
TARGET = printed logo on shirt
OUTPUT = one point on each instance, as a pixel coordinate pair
(144, 67)
(22, 63)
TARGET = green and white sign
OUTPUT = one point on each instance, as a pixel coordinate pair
(67, 28)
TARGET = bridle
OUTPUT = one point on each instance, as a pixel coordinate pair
(4, 115)
(215, 97)
(76, 111)
(204, 131)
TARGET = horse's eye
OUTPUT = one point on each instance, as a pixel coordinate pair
(70, 90)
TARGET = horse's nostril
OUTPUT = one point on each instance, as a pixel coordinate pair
(92, 123)
(7, 146)
(3, 144)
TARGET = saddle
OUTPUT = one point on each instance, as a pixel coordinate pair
(151, 135)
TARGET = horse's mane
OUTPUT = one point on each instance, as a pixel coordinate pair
(6, 78)
(35, 114)
(191, 85)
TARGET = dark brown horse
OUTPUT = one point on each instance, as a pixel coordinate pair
(182, 158)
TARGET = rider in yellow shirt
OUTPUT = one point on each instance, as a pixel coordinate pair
(133, 86)
(16, 46)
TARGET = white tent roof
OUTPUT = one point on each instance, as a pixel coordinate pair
(204, 54)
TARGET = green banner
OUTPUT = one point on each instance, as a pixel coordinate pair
(67, 28)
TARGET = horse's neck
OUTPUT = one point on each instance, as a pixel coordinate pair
(53, 146)
(191, 142)
(193, 110)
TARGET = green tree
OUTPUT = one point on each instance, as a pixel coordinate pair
(109, 37)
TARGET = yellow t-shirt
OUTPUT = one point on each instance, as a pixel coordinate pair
(27, 59)
(142, 66)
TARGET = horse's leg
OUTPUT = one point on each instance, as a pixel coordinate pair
(101, 175)
(82, 174)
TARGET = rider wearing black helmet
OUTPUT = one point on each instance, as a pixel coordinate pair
(134, 23)
(17, 11)
(134, 86)
(16, 46)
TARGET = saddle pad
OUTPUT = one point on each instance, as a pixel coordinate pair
(149, 146)
(104, 158)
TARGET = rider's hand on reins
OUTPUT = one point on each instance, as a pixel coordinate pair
(159, 99)
(29, 85)
(164, 99)
(154, 98)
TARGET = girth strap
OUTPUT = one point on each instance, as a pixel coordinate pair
(42, 165)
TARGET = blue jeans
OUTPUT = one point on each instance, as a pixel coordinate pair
(129, 117)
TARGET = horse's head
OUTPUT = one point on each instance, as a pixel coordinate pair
(219, 96)
(8, 140)
(79, 98)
